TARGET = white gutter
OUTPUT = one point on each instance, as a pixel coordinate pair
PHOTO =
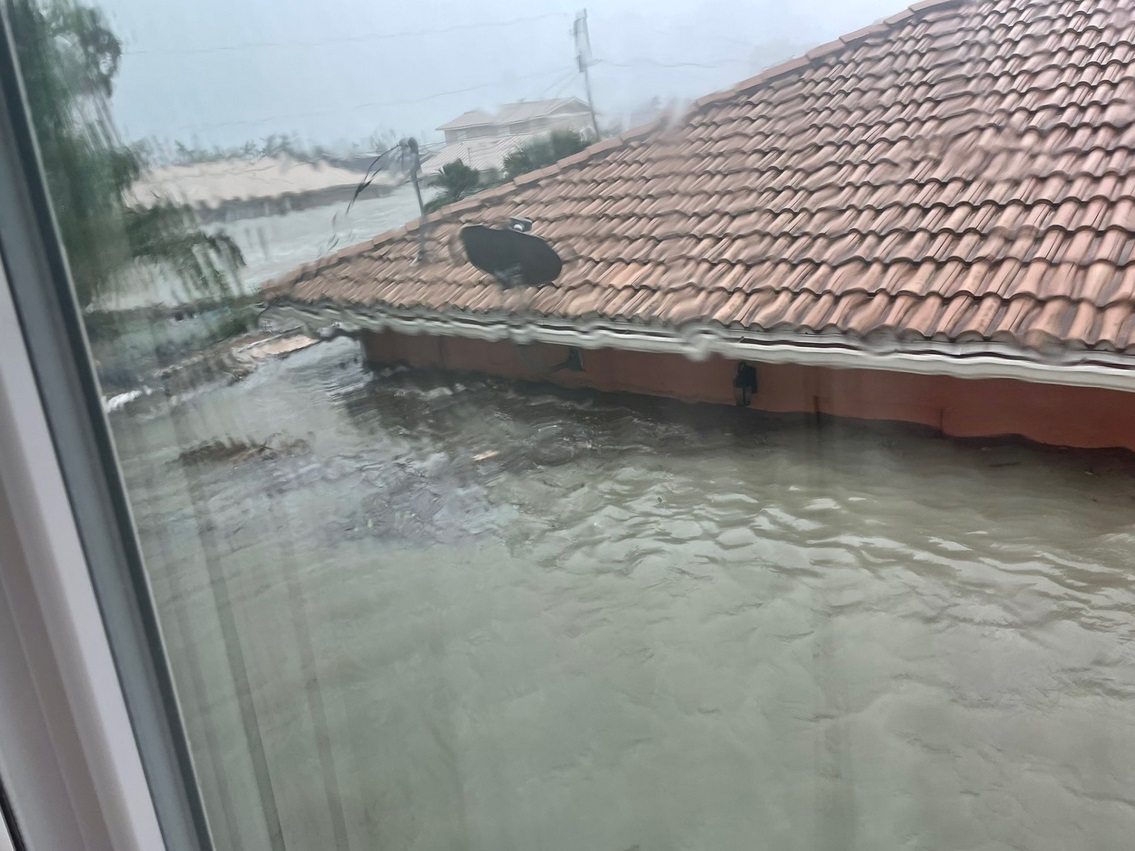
(962, 360)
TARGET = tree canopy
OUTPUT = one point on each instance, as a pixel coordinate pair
(543, 151)
(457, 180)
(69, 58)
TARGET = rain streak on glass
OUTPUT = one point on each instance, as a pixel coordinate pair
(707, 427)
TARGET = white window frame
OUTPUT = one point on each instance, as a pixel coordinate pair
(93, 753)
(68, 757)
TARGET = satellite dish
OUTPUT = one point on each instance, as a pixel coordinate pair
(514, 258)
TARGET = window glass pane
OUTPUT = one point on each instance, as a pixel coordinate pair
(622, 429)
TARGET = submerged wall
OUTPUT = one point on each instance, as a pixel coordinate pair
(1047, 413)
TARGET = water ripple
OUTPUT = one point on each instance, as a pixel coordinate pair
(586, 622)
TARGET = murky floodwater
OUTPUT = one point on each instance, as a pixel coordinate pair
(479, 617)
(273, 245)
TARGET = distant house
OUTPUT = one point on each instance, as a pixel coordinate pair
(483, 141)
(525, 118)
(473, 124)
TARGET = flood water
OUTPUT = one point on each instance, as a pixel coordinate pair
(462, 614)
(274, 245)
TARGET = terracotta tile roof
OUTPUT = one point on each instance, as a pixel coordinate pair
(960, 172)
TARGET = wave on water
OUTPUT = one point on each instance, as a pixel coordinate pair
(121, 400)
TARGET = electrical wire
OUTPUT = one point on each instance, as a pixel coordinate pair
(650, 63)
(370, 105)
(368, 178)
(371, 36)
(559, 84)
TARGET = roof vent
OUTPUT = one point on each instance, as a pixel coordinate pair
(519, 223)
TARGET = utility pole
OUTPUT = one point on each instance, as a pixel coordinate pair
(411, 145)
(583, 58)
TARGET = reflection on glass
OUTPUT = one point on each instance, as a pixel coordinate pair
(674, 548)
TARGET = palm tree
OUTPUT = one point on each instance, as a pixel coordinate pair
(455, 180)
(69, 58)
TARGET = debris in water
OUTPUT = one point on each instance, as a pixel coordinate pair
(485, 456)
(278, 346)
(235, 450)
(120, 400)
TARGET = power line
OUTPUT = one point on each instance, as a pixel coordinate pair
(560, 89)
(371, 36)
(651, 63)
(371, 105)
(704, 36)
(559, 85)
(584, 61)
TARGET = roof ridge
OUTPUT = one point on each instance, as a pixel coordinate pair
(823, 51)
(603, 147)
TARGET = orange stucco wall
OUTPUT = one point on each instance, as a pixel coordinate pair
(1046, 413)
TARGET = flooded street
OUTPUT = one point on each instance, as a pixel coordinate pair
(272, 245)
(466, 614)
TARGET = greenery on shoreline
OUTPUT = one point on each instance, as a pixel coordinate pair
(543, 151)
(69, 58)
(456, 180)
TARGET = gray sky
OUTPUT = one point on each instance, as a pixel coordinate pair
(225, 71)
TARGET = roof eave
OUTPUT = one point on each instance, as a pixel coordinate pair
(699, 341)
